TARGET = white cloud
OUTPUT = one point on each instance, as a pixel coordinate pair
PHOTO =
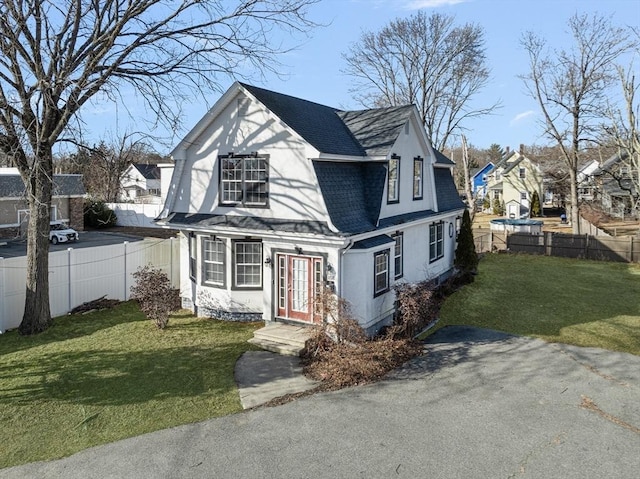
(418, 4)
(521, 116)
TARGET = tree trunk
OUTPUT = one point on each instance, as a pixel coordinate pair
(573, 202)
(37, 312)
(467, 179)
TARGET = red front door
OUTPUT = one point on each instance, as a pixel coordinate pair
(299, 282)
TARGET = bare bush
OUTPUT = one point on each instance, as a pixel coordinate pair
(340, 354)
(156, 297)
(417, 307)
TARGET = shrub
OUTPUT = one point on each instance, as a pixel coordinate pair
(536, 209)
(339, 353)
(466, 259)
(416, 307)
(155, 295)
(498, 209)
(486, 203)
(98, 215)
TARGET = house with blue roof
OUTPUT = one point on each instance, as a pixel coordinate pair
(480, 179)
(278, 198)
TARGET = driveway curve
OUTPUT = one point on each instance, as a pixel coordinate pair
(478, 404)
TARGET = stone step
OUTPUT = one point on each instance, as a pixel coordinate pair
(277, 347)
(283, 333)
(281, 338)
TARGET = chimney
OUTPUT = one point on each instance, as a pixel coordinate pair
(522, 148)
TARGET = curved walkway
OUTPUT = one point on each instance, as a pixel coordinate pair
(478, 404)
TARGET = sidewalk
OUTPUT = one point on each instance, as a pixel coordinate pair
(262, 376)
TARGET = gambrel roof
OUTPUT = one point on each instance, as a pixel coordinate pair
(352, 190)
(330, 130)
(320, 125)
(352, 193)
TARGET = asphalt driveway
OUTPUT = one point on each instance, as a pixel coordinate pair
(88, 239)
(479, 404)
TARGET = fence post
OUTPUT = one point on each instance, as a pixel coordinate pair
(3, 299)
(548, 242)
(586, 246)
(69, 306)
(125, 270)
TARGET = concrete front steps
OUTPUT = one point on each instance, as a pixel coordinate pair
(281, 338)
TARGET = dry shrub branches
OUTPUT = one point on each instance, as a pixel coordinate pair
(340, 354)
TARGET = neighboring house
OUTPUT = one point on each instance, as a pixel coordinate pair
(278, 198)
(139, 181)
(585, 180)
(513, 182)
(480, 179)
(616, 185)
(66, 205)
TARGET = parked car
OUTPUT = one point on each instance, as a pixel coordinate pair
(60, 232)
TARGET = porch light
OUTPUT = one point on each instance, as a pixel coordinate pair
(267, 261)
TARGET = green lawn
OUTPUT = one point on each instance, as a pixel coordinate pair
(586, 303)
(96, 378)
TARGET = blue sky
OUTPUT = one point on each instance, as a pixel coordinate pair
(313, 71)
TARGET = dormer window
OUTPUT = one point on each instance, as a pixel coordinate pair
(244, 180)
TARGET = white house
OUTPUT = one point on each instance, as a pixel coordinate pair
(277, 198)
(141, 180)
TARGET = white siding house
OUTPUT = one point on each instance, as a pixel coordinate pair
(141, 181)
(277, 198)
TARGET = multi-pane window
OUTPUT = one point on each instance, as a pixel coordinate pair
(193, 255)
(436, 241)
(417, 178)
(381, 272)
(213, 262)
(247, 264)
(393, 180)
(397, 256)
(523, 195)
(523, 173)
(496, 194)
(244, 180)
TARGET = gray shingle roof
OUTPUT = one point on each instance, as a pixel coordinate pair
(378, 129)
(12, 186)
(201, 220)
(611, 162)
(352, 193)
(150, 172)
(404, 218)
(319, 125)
(441, 159)
(373, 242)
(446, 192)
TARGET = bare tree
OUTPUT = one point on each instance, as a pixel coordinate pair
(624, 133)
(427, 61)
(571, 87)
(55, 56)
(103, 165)
(471, 200)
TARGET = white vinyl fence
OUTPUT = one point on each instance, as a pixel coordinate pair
(136, 214)
(84, 274)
